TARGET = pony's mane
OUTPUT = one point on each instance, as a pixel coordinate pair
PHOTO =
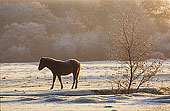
(50, 59)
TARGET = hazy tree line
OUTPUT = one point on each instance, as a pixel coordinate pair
(75, 29)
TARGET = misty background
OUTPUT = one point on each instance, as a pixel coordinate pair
(62, 29)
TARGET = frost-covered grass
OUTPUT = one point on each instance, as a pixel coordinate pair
(23, 87)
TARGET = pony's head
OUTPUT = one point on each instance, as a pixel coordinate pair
(41, 63)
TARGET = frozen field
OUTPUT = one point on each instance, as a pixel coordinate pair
(24, 88)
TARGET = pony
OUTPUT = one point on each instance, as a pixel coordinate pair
(61, 68)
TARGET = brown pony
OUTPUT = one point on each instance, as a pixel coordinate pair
(59, 68)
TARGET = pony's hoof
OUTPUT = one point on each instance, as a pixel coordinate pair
(51, 88)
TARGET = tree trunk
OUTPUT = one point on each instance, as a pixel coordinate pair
(131, 77)
(131, 70)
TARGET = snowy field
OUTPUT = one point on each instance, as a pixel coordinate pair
(24, 88)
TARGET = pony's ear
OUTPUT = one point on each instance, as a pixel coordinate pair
(41, 58)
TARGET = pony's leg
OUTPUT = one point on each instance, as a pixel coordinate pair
(74, 79)
(77, 77)
(60, 79)
(54, 78)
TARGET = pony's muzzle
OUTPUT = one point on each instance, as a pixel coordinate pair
(39, 68)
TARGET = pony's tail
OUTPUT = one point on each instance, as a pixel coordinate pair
(78, 71)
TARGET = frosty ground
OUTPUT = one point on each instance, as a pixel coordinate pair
(23, 87)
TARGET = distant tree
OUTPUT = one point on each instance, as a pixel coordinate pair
(159, 10)
(163, 44)
(130, 43)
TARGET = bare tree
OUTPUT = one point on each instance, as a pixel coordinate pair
(130, 41)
